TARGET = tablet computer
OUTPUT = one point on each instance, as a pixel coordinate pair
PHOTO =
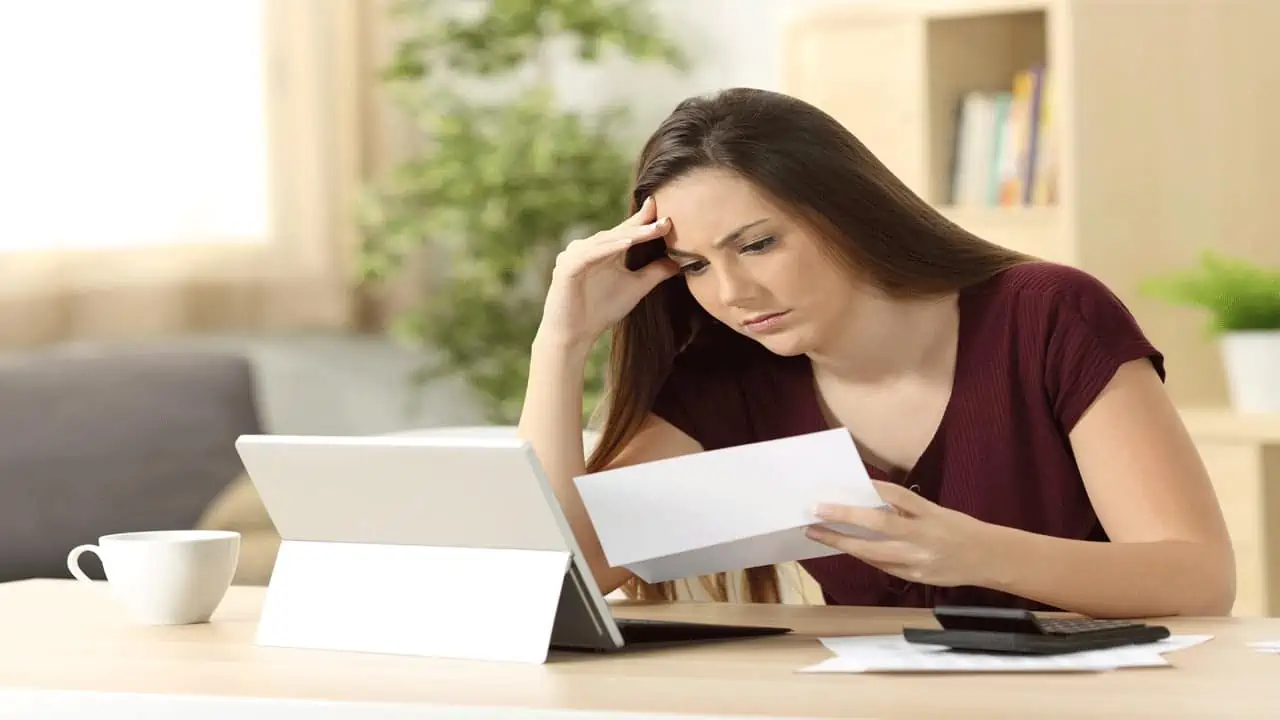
(454, 490)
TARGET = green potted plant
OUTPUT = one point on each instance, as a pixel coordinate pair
(506, 176)
(1243, 300)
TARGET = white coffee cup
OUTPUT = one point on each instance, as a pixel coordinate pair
(165, 577)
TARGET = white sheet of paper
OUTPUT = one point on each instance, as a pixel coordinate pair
(964, 663)
(726, 509)
(1265, 646)
(892, 653)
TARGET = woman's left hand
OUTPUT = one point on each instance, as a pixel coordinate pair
(921, 542)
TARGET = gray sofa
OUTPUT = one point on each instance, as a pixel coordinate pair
(97, 442)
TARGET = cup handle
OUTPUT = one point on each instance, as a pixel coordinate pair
(73, 561)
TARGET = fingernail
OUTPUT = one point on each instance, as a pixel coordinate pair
(647, 202)
(661, 222)
(823, 511)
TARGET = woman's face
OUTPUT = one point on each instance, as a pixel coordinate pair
(751, 265)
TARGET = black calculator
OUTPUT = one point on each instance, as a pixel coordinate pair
(1007, 630)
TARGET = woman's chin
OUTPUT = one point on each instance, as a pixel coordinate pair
(786, 344)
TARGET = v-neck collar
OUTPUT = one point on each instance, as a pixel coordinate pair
(923, 469)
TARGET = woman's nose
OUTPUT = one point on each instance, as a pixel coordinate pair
(736, 289)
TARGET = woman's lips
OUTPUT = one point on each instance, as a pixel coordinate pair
(766, 322)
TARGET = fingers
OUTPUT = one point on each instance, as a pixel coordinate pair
(616, 241)
(904, 499)
(882, 521)
(876, 552)
(628, 234)
(898, 558)
(658, 271)
(588, 252)
(646, 214)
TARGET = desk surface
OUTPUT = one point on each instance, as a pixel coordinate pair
(60, 635)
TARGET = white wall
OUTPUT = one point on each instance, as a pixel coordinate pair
(731, 43)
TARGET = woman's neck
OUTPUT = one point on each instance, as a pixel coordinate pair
(883, 339)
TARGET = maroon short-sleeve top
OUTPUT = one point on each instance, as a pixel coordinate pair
(1037, 343)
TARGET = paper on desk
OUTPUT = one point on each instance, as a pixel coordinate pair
(1266, 646)
(892, 653)
(727, 509)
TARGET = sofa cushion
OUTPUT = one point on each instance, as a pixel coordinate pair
(93, 443)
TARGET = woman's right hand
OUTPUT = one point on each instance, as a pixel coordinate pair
(591, 288)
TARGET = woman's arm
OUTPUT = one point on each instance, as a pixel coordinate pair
(551, 422)
(1170, 553)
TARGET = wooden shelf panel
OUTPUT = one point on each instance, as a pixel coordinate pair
(979, 8)
(1221, 424)
(1242, 456)
(930, 8)
(1034, 230)
(879, 102)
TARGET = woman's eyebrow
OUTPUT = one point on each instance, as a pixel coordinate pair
(729, 237)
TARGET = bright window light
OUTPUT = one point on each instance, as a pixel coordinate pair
(131, 123)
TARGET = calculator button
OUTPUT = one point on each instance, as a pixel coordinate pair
(1075, 626)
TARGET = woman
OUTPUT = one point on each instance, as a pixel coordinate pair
(1010, 411)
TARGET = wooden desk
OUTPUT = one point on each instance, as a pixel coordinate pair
(62, 637)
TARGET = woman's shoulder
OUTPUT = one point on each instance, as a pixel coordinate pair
(1045, 298)
(1047, 283)
(1061, 328)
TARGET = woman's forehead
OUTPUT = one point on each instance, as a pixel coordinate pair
(706, 206)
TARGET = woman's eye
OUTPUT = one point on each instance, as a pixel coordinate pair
(694, 267)
(758, 245)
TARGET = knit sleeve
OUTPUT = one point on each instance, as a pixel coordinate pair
(1090, 334)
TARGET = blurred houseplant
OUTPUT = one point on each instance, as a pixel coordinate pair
(1243, 300)
(500, 185)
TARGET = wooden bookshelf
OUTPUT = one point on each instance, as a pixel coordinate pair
(1163, 123)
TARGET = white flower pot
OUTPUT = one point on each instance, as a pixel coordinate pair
(1252, 361)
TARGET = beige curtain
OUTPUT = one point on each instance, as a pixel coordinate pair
(329, 130)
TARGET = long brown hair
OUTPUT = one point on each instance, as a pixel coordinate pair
(871, 222)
